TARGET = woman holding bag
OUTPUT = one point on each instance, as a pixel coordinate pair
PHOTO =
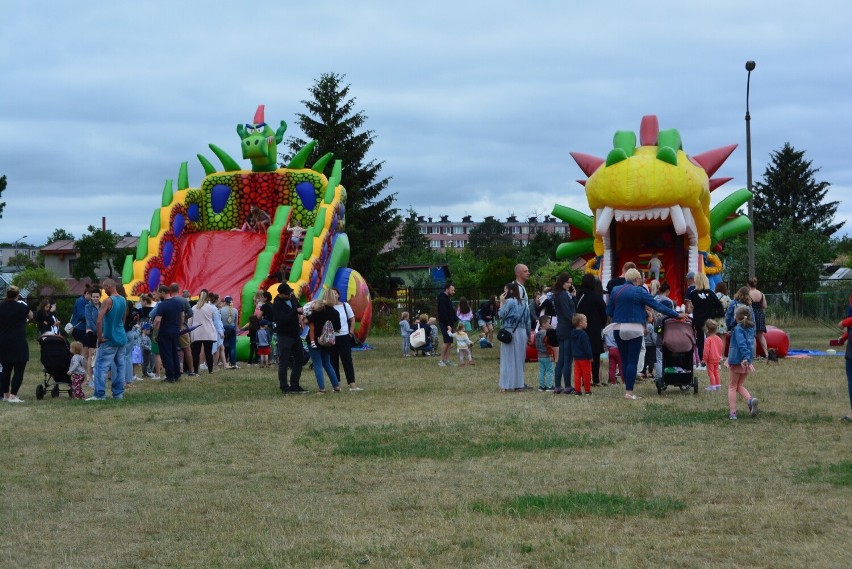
(514, 314)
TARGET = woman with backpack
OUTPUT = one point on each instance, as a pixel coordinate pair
(323, 323)
(705, 305)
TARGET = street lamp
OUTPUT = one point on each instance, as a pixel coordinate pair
(750, 65)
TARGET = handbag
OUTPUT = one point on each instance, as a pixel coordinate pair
(417, 339)
(327, 338)
(505, 336)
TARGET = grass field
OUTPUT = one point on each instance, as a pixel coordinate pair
(430, 467)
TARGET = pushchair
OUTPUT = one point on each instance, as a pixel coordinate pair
(678, 347)
(55, 359)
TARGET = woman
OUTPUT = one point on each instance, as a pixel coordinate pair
(847, 323)
(341, 351)
(204, 333)
(45, 321)
(758, 304)
(592, 305)
(563, 302)
(322, 311)
(741, 297)
(705, 305)
(485, 319)
(14, 351)
(515, 315)
(219, 346)
(626, 308)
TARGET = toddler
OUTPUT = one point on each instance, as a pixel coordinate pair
(713, 348)
(613, 356)
(77, 370)
(145, 344)
(433, 327)
(740, 358)
(405, 332)
(263, 349)
(253, 326)
(545, 355)
(650, 348)
(581, 349)
(463, 345)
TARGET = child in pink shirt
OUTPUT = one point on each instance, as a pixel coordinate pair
(713, 348)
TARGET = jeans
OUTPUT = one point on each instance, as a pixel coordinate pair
(545, 372)
(849, 378)
(110, 357)
(132, 340)
(288, 346)
(230, 343)
(321, 359)
(629, 352)
(565, 363)
(168, 342)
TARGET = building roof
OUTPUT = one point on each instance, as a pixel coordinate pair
(68, 246)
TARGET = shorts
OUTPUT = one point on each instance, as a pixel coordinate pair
(448, 339)
(91, 340)
(79, 335)
(155, 348)
(264, 350)
(185, 341)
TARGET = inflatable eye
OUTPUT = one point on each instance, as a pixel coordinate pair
(249, 129)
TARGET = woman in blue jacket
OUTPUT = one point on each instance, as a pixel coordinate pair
(626, 309)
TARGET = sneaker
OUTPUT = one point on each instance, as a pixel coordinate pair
(710, 388)
(752, 406)
(93, 398)
(542, 388)
(192, 374)
(151, 375)
(356, 389)
(298, 390)
(202, 366)
(732, 416)
(14, 399)
(548, 389)
(557, 390)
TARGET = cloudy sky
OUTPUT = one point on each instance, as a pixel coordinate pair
(475, 105)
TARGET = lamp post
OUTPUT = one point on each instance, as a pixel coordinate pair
(750, 65)
(18, 240)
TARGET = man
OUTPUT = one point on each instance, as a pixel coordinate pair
(446, 321)
(112, 342)
(287, 316)
(167, 326)
(522, 273)
(229, 323)
(184, 340)
(619, 280)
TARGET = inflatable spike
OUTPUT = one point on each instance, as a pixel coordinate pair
(649, 130)
(625, 140)
(615, 156)
(183, 177)
(209, 168)
(716, 182)
(301, 157)
(587, 163)
(228, 163)
(712, 160)
(319, 165)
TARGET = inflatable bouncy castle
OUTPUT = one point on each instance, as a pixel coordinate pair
(241, 231)
(653, 200)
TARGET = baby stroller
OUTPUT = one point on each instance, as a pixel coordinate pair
(55, 359)
(678, 355)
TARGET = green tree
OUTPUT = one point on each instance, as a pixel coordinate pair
(21, 260)
(489, 240)
(40, 281)
(790, 192)
(413, 246)
(337, 127)
(2, 187)
(465, 268)
(787, 258)
(60, 234)
(541, 248)
(496, 274)
(99, 245)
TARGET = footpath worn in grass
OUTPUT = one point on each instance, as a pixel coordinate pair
(429, 467)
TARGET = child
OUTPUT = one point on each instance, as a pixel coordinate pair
(463, 345)
(253, 326)
(613, 356)
(146, 344)
(423, 323)
(545, 355)
(405, 332)
(581, 349)
(650, 348)
(740, 358)
(77, 371)
(433, 327)
(263, 349)
(713, 348)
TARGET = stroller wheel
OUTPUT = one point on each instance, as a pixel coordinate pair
(695, 385)
(55, 391)
(40, 391)
(659, 383)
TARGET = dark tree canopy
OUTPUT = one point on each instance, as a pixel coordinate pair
(413, 247)
(490, 240)
(60, 234)
(99, 245)
(2, 187)
(790, 192)
(334, 123)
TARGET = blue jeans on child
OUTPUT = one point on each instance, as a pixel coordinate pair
(321, 358)
(545, 372)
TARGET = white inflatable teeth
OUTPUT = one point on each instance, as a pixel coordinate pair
(678, 221)
(604, 220)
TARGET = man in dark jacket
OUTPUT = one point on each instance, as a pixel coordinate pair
(447, 319)
(287, 314)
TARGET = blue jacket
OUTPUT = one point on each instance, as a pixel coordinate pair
(78, 317)
(729, 314)
(742, 345)
(514, 314)
(627, 304)
(565, 309)
(91, 317)
(581, 347)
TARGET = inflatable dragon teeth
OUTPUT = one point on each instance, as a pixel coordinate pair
(650, 199)
(242, 230)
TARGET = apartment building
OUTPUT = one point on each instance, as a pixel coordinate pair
(444, 234)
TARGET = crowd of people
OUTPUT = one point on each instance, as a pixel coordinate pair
(166, 336)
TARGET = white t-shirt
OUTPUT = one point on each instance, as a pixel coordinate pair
(345, 312)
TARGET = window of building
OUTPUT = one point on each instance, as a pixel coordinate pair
(516, 230)
(458, 230)
(435, 244)
(560, 229)
(525, 229)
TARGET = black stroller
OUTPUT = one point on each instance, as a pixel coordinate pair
(678, 347)
(55, 359)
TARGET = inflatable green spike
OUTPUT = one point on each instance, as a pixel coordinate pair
(302, 156)
(320, 164)
(582, 221)
(667, 154)
(670, 138)
(729, 229)
(228, 163)
(142, 246)
(728, 206)
(155, 223)
(333, 181)
(296, 269)
(168, 194)
(127, 271)
(573, 249)
(308, 243)
(183, 177)
(615, 156)
(209, 168)
(625, 140)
